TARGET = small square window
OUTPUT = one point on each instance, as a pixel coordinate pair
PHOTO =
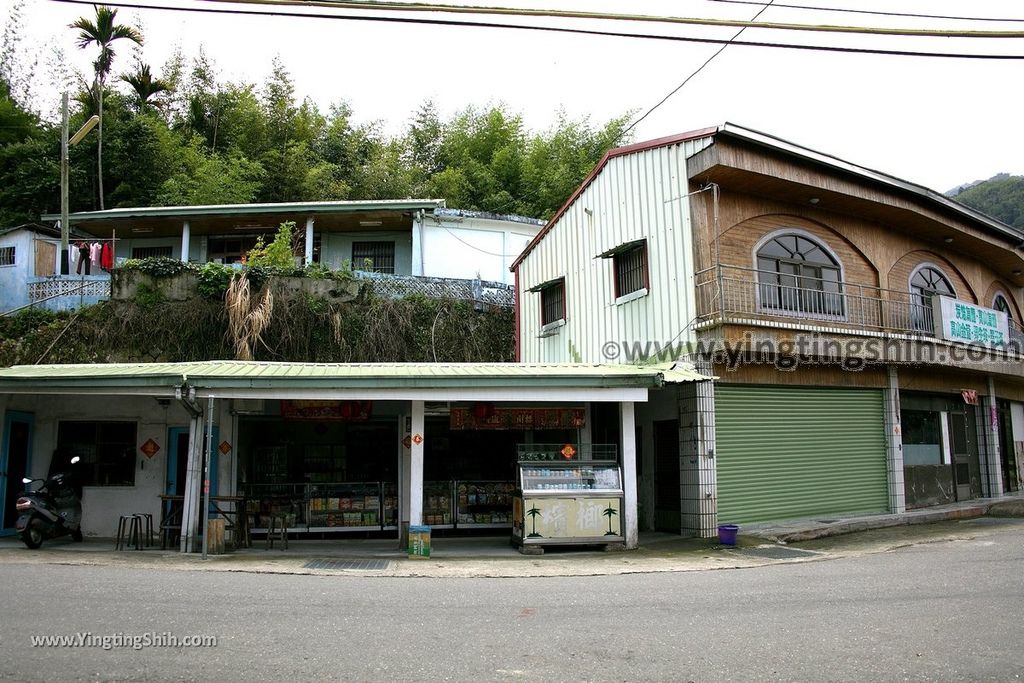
(630, 269)
(552, 302)
(151, 252)
(6, 256)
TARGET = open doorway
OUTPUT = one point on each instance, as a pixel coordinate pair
(15, 455)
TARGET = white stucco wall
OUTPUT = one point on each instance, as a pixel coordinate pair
(472, 248)
(103, 505)
(336, 247)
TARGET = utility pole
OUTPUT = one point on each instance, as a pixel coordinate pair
(65, 262)
(65, 143)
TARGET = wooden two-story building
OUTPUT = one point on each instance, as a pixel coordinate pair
(864, 331)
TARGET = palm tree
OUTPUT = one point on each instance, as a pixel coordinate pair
(610, 512)
(145, 86)
(533, 512)
(103, 31)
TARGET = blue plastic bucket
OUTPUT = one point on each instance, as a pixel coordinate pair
(727, 534)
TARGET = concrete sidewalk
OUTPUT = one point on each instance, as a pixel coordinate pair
(493, 556)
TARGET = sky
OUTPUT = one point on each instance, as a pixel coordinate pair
(934, 122)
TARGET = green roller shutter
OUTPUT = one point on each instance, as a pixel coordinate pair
(793, 452)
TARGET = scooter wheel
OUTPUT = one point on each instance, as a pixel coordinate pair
(32, 537)
(76, 535)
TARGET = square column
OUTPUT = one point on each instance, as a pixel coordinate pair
(894, 444)
(698, 471)
(186, 236)
(416, 465)
(309, 241)
(629, 507)
(193, 484)
(993, 473)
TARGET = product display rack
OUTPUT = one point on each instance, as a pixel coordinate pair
(484, 504)
(437, 504)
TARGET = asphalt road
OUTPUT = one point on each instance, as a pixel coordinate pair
(938, 611)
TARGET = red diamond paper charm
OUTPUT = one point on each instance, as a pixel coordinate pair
(150, 448)
(568, 451)
(224, 448)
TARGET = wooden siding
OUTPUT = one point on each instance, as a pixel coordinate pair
(635, 196)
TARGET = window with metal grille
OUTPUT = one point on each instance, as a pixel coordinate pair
(927, 283)
(630, 269)
(552, 303)
(376, 257)
(6, 256)
(151, 252)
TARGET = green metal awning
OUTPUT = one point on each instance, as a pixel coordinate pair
(255, 378)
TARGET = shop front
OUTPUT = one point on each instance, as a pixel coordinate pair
(332, 450)
(941, 448)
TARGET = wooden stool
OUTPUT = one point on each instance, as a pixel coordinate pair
(273, 528)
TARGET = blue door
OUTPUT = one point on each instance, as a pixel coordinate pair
(15, 456)
(177, 461)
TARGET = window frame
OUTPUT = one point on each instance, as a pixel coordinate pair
(767, 304)
(13, 250)
(920, 321)
(162, 247)
(99, 454)
(618, 256)
(357, 262)
(545, 290)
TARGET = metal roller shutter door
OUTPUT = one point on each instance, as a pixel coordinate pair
(792, 452)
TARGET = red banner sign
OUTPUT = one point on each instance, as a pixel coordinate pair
(463, 419)
(349, 411)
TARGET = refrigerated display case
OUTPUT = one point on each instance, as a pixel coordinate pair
(569, 502)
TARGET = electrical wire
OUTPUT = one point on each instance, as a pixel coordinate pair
(387, 5)
(559, 29)
(908, 15)
(686, 80)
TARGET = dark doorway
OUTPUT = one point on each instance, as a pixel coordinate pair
(963, 428)
(666, 476)
(14, 458)
(1007, 456)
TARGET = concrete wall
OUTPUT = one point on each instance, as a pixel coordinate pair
(14, 279)
(102, 505)
(336, 248)
(472, 248)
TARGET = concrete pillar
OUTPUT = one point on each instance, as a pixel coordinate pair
(193, 484)
(309, 241)
(416, 465)
(894, 444)
(629, 507)
(992, 470)
(417, 244)
(698, 474)
(186, 236)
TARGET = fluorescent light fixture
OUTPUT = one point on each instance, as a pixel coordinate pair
(370, 224)
(141, 230)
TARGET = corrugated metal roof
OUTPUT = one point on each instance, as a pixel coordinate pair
(251, 209)
(253, 374)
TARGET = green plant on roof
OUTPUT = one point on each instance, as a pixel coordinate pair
(533, 512)
(610, 512)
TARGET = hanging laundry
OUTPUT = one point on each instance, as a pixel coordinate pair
(83, 250)
(107, 259)
(95, 252)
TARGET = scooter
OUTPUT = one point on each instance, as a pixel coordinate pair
(52, 510)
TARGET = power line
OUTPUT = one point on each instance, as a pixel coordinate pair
(689, 78)
(389, 5)
(557, 29)
(908, 15)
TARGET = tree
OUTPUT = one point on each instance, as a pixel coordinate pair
(144, 85)
(103, 31)
(1001, 197)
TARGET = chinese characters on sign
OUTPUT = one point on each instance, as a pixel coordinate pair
(964, 322)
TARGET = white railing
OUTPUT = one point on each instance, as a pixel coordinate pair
(479, 291)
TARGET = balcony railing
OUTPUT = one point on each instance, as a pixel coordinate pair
(733, 294)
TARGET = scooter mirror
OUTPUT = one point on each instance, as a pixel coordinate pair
(75, 459)
(26, 480)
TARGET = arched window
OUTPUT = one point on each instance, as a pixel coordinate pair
(1002, 305)
(926, 283)
(796, 274)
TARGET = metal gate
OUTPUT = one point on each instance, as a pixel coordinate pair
(795, 452)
